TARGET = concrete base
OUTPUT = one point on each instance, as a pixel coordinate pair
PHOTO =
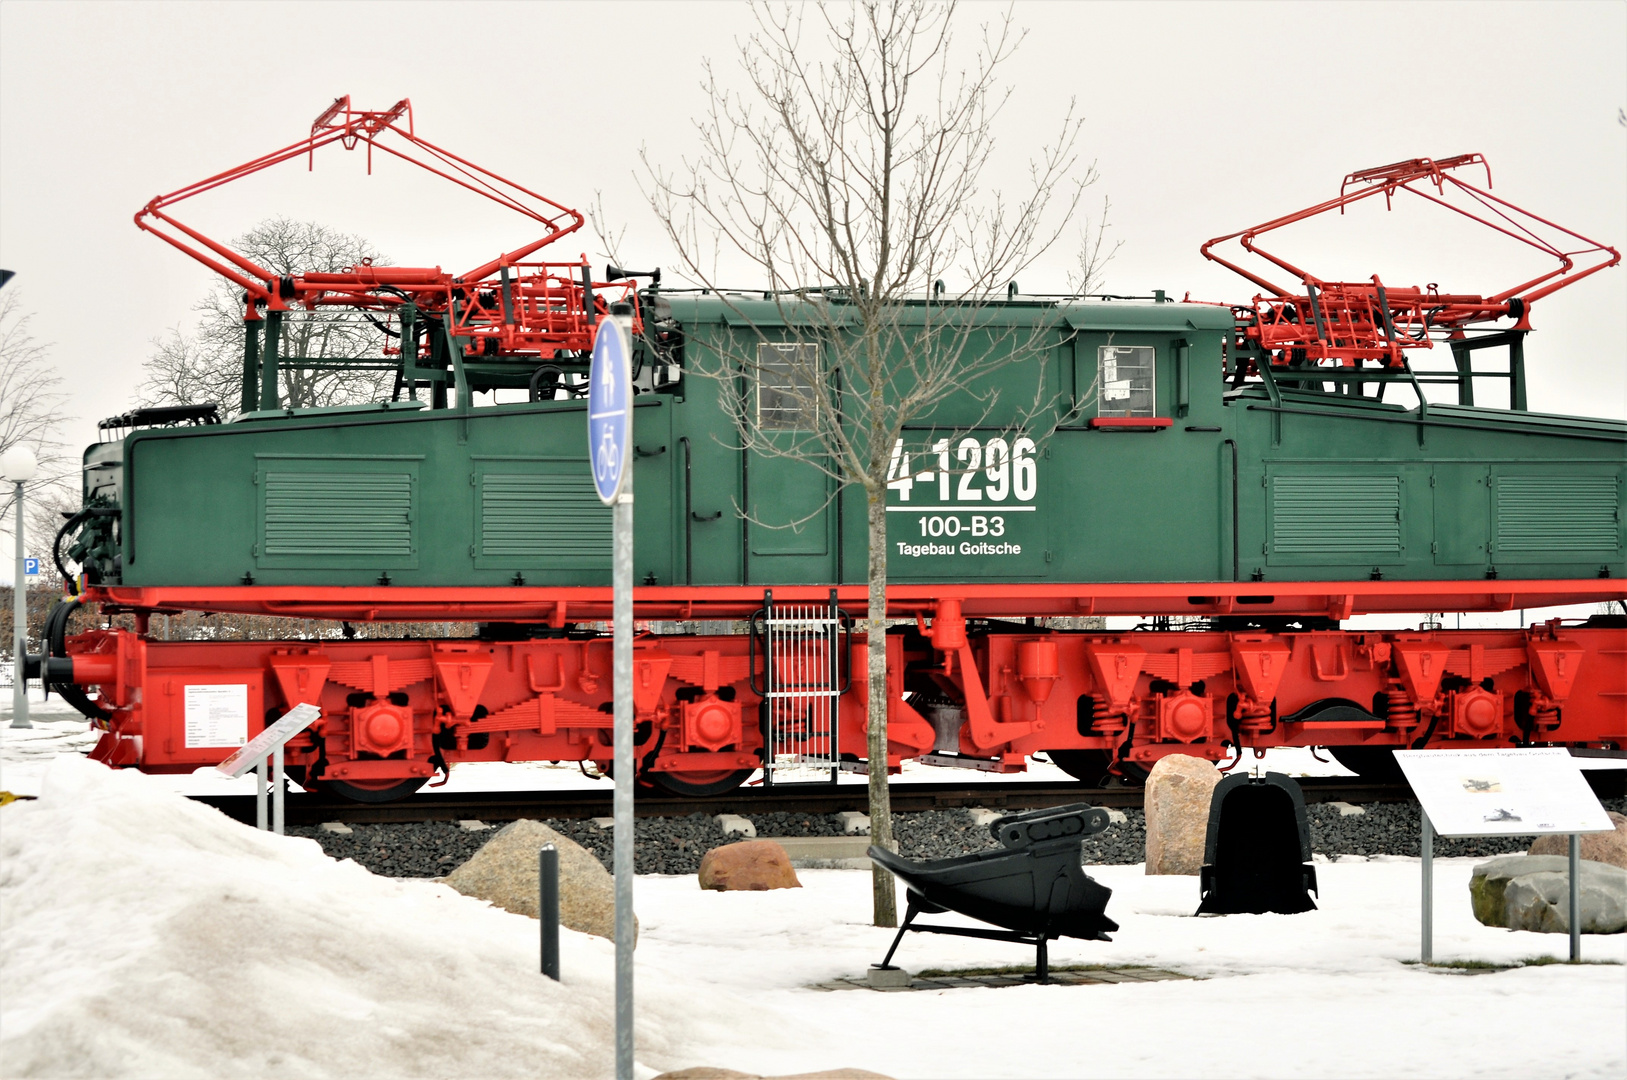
(887, 977)
(826, 852)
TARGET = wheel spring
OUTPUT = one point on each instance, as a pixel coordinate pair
(1401, 712)
(1102, 720)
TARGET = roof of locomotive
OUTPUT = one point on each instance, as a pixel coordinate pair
(767, 310)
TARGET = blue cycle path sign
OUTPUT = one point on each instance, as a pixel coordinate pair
(610, 410)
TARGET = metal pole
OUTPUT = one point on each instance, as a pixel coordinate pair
(19, 626)
(623, 615)
(251, 361)
(277, 790)
(269, 398)
(1426, 952)
(548, 908)
(260, 795)
(1576, 896)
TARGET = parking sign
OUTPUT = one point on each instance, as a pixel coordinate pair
(31, 567)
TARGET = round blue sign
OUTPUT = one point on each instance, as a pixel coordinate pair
(610, 410)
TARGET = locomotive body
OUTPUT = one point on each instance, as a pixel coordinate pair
(1203, 484)
(1266, 513)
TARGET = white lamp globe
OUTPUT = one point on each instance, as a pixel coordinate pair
(18, 464)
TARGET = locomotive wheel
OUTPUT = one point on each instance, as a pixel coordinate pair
(371, 791)
(1374, 763)
(699, 784)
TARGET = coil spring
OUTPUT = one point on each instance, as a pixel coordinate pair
(1545, 720)
(1102, 720)
(1401, 712)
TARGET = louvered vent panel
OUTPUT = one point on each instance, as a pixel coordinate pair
(1563, 513)
(530, 517)
(326, 514)
(1322, 515)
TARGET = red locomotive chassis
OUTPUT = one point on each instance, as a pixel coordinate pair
(396, 712)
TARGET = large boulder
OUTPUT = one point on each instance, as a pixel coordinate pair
(1605, 847)
(1532, 892)
(504, 872)
(752, 865)
(1176, 799)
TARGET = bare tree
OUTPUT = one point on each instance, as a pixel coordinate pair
(1090, 271)
(206, 364)
(850, 176)
(30, 404)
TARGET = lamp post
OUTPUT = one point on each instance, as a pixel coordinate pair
(18, 465)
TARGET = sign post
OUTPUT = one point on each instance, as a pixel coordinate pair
(610, 435)
(18, 465)
(1501, 791)
(253, 754)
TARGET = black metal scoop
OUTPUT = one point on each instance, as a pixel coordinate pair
(1034, 886)
(1257, 857)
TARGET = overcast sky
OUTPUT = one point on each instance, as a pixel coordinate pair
(1202, 119)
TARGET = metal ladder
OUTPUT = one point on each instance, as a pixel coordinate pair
(805, 671)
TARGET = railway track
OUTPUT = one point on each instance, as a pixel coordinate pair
(311, 809)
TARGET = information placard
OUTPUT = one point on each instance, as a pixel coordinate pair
(1503, 791)
(292, 723)
(217, 715)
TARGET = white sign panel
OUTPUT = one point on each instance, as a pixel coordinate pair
(217, 715)
(1503, 791)
(292, 723)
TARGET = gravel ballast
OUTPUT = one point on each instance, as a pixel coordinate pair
(675, 845)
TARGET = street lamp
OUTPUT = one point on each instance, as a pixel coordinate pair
(19, 465)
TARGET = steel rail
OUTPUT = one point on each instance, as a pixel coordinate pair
(312, 809)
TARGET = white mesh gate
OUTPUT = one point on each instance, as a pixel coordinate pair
(804, 676)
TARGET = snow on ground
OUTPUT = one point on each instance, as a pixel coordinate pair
(1320, 994)
(145, 935)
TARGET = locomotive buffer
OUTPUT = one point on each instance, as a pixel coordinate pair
(610, 430)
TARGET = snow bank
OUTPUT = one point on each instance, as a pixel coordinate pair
(145, 935)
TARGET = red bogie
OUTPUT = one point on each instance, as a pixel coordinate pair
(395, 711)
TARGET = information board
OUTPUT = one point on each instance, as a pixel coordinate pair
(292, 723)
(1503, 791)
(217, 715)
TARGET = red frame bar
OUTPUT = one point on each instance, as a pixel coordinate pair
(557, 605)
(1131, 423)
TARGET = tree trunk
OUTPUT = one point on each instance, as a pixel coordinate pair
(881, 810)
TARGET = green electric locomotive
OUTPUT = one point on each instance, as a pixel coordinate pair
(1262, 472)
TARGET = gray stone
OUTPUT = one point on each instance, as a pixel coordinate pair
(707, 1072)
(735, 825)
(1532, 892)
(983, 817)
(853, 823)
(504, 872)
(1177, 795)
